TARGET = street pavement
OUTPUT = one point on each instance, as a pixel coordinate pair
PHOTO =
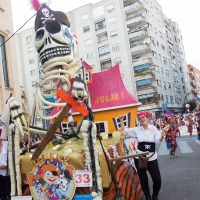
(180, 175)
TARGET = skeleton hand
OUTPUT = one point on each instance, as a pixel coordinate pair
(79, 90)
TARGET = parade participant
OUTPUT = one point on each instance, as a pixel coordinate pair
(189, 123)
(178, 122)
(4, 178)
(147, 136)
(171, 131)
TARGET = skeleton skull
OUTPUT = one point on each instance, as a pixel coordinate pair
(55, 43)
(45, 12)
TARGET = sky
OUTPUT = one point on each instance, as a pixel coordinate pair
(184, 12)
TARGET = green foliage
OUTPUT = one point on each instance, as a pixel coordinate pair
(192, 103)
(143, 73)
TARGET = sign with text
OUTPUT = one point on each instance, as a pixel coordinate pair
(83, 178)
(82, 197)
(22, 198)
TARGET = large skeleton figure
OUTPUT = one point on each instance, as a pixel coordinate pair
(57, 47)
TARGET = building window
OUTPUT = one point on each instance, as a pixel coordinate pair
(117, 60)
(159, 82)
(113, 33)
(160, 56)
(167, 72)
(155, 30)
(156, 68)
(111, 20)
(162, 70)
(31, 61)
(151, 5)
(154, 54)
(28, 39)
(33, 72)
(30, 49)
(4, 63)
(100, 24)
(88, 42)
(90, 55)
(84, 17)
(104, 50)
(86, 29)
(150, 26)
(169, 85)
(115, 47)
(163, 47)
(157, 11)
(110, 7)
(157, 43)
(165, 60)
(161, 35)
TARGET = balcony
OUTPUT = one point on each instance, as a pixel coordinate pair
(137, 34)
(137, 49)
(106, 64)
(147, 96)
(144, 76)
(131, 4)
(99, 25)
(146, 90)
(101, 38)
(135, 20)
(141, 61)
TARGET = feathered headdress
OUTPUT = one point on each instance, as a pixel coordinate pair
(35, 4)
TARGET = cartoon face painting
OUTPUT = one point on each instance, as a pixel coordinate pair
(52, 180)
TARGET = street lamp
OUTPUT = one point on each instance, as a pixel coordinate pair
(185, 99)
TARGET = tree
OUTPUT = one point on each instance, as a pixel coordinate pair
(192, 103)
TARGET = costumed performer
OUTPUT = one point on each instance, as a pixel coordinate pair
(189, 123)
(171, 131)
(147, 136)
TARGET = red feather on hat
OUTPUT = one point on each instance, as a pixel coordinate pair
(35, 4)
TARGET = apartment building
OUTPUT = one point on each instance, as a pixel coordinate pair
(148, 46)
(9, 84)
(27, 62)
(194, 79)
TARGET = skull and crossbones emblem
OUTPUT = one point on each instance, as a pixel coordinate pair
(147, 146)
(47, 15)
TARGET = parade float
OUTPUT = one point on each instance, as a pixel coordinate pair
(80, 162)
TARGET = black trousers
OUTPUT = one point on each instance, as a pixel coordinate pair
(5, 187)
(154, 172)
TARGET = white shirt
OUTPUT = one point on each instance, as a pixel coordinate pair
(3, 157)
(151, 134)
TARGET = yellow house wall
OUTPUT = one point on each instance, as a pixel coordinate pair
(109, 114)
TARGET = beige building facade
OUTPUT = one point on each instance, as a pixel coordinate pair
(194, 78)
(9, 79)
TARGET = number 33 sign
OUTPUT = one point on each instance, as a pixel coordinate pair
(83, 178)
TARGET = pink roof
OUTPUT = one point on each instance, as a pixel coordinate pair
(108, 91)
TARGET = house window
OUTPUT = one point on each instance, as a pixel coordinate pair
(113, 33)
(111, 20)
(126, 121)
(90, 55)
(31, 61)
(115, 47)
(154, 54)
(28, 39)
(33, 72)
(4, 63)
(88, 42)
(87, 76)
(84, 17)
(104, 50)
(30, 49)
(161, 35)
(86, 29)
(163, 47)
(101, 127)
(100, 24)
